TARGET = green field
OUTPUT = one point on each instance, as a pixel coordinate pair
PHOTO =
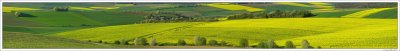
(26, 40)
(389, 14)
(11, 19)
(112, 18)
(60, 19)
(84, 25)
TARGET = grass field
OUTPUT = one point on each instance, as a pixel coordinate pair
(60, 19)
(26, 40)
(365, 13)
(254, 30)
(111, 18)
(390, 14)
(12, 20)
(39, 30)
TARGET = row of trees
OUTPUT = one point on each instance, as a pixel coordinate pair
(165, 17)
(273, 14)
(60, 8)
(158, 16)
(202, 41)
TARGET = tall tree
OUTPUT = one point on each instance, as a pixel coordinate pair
(289, 45)
(181, 42)
(153, 42)
(305, 44)
(272, 44)
(244, 43)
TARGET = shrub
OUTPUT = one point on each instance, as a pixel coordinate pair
(124, 42)
(117, 42)
(243, 43)
(20, 14)
(289, 45)
(213, 43)
(153, 42)
(140, 41)
(100, 41)
(305, 44)
(181, 42)
(223, 43)
(319, 47)
(272, 44)
(167, 44)
(61, 8)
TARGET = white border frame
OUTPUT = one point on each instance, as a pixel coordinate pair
(198, 49)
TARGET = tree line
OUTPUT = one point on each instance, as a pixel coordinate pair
(273, 14)
(165, 17)
(202, 41)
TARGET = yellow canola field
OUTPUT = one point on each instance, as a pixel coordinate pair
(108, 8)
(9, 9)
(228, 6)
(292, 4)
(80, 8)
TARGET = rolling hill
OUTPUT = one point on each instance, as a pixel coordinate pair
(16, 40)
(120, 32)
(256, 30)
(60, 19)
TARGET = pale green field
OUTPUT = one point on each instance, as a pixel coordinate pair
(325, 32)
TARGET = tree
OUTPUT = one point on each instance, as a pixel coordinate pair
(289, 45)
(261, 45)
(140, 41)
(153, 42)
(213, 43)
(197, 40)
(203, 41)
(272, 44)
(243, 43)
(181, 42)
(136, 41)
(305, 44)
(144, 41)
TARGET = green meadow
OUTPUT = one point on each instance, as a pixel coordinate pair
(287, 25)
